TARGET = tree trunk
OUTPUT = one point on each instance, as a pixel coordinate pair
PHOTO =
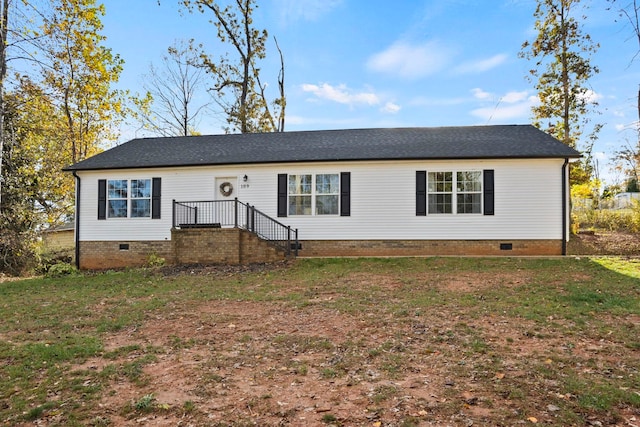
(3, 73)
(248, 55)
(565, 79)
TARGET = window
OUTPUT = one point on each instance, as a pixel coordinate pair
(129, 198)
(459, 192)
(469, 189)
(440, 190)
(300, 197)
(140, 198)
(117, 198)
(327, 194)
(314, 194)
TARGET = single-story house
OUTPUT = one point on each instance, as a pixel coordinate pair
(473, 190)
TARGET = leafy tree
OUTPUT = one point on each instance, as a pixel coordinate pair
(56, 116)
(241, 94)
(19, 39)
(38, 121)
(19, 218)
(80, 74)
(561, 53)
(171, 107)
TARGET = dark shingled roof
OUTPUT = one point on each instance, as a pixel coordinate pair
(468, 142)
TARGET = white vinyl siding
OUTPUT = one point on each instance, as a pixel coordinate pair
(528, 200)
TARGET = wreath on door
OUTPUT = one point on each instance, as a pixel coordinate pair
(226, 188)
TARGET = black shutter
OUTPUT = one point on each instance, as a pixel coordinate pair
(488, 192)
(102, 199)
(421, 193)
(345, 193)
(282, 194)
(155, 198)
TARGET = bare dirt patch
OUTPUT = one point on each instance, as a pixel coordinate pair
(604, 243)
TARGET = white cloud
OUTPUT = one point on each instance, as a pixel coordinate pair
(390, 107)
(512, 97)
(591, 96)
(308, 10)
(480, 66)
(510, 106)
(481, 94)
(600, 155)
(411, 61)
(500, 113)
(341, 94)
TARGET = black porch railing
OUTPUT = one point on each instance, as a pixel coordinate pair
(234, 213)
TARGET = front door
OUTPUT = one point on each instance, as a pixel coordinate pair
(226, 188)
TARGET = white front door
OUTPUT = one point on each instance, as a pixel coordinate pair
(226, 188)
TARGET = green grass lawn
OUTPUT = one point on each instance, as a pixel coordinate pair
(571, 352)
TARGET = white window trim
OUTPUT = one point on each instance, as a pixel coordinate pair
(314, 194)
(129, 199)
(454, 192)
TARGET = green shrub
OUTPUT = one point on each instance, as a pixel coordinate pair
(49, 258)
(61, 269)
(607, 219)
(155, 261)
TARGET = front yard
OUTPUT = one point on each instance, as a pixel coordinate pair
(373, 342)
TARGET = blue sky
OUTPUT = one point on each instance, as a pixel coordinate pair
(376, 63)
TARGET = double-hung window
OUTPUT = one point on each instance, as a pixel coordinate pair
(140, 198)
(129, 198)
(440, 189)
(469, 192)
(327, 194)
(454, 192)
(300, 194)
(314, 194)
(117, 198)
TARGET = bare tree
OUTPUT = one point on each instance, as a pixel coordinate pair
(628, 158)
(238, 87)
(176, 93)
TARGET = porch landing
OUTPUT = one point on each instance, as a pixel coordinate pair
(222, 246)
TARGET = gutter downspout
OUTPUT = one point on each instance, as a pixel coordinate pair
(77, 221)
(564, 207)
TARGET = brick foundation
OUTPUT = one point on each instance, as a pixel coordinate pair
(234, 246)
(321, 248)
(103, 255)
(230, 246)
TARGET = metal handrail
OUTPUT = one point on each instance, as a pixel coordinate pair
(236, 214)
